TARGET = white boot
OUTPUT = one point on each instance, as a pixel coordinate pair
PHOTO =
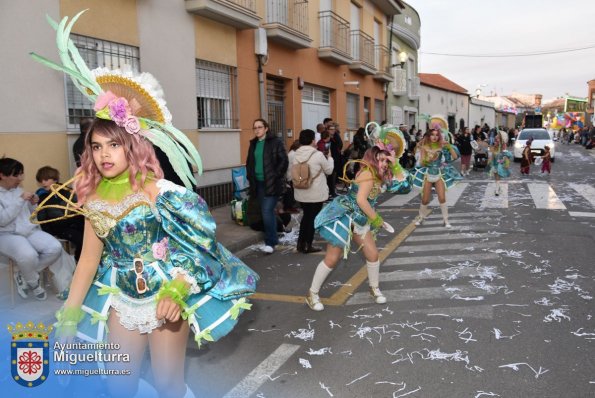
(320, 275)
(444, 210)
(373, 277)
(423, 211)
(189, 393)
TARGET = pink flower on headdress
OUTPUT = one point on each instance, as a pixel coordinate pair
(119, 111)
(103, 100)
(131, 125)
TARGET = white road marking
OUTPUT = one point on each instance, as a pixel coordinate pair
(544, 197)
(470, 214)
(422, 275)
(445, 246)
(400, 200)
(586, 191)
(422, 293)
(476, 227)
(476, 311)
(491, 201)
(421, 238)
(440, 258)
(576, 214)
(248, 386)
(458, 221)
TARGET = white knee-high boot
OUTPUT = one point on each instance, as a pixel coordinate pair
(444, 210)
(189, 393)
(373, 278)
(320, 275)
(423, 211)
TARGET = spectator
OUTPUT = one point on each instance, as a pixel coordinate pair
(464, 145)
(32, 249)
(266, 166)
(336, 149)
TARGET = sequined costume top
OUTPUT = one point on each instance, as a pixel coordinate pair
(499, 162)
(435, 163)
(147, 244)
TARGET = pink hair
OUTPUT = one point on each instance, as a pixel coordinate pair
(371, 158)
(139, 154)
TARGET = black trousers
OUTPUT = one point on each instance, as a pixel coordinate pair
(311, 210)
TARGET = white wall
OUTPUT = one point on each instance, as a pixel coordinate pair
(481, 112)
(32, 94)
(436, 102)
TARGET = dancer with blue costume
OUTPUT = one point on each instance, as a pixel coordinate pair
(434, 155)
(352, 217)
(151, 268)
(499, 159)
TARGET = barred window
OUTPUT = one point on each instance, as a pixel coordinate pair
(378, 111)
(352, 111)
(216, 94)
(96, 53)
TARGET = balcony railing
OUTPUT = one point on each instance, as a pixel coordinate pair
(413, 88)
(362, 52)
(334, 38)
(400, 81)
(287, 22)
(381, 58)
(238, 13)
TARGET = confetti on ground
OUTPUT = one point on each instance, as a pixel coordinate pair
(515, 367)
(557, 314)
(322, 351)
(325, 388)
(305, 363)
(358, 379)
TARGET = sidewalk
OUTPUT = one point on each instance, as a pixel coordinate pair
(231, 235)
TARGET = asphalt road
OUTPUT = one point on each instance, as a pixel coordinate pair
(499, 306)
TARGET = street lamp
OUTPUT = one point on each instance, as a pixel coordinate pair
(402, 58)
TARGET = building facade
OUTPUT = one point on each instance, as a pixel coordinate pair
(481, 112)
(442, 97)
(403, 92)
(222, 63)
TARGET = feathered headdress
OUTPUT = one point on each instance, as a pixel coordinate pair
(437, 123)
(132, 101)
(388, 138)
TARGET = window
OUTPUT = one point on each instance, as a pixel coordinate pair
(96, 53)
(378, 111)
(316, 94)
(215, 94)
(352, 111)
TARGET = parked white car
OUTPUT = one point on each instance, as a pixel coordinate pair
(541, 138)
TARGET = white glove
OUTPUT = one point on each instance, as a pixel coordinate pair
(388, 228)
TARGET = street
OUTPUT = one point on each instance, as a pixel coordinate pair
(499, 306)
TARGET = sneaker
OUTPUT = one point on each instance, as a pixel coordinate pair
(313, 301)
(419, 222)
(267, 249)
(21, 285)
(447, 225)
(40, 293)
(63, 295)
(379, 298)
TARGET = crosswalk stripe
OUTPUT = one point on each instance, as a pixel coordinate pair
(423, 238)
(478, 227)
(400, 200)
(585, 190)
(544, 197)
(491, 201)
(422, 293)
(476, 311)
(444, 258)
(469, 214)
(445, 246)
(452, 195)
(258, 376)
(457, 221)
(395, 276)
(573, 214)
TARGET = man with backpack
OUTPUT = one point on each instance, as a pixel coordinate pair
(308, 171)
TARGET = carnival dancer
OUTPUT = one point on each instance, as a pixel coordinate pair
(546, 163)
(151, 269)
(434, 157)
(352, 217)
(527, 157)
(500, 158)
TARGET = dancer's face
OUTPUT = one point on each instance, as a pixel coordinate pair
(383, 163)
(434, 136)
(108, 155)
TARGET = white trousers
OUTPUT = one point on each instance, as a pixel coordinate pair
(31, 253)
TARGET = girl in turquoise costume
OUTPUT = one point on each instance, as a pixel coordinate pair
(352, 217)
(499, 162)
(434, 157)
(151, 269)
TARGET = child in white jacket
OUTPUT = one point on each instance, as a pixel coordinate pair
(24, 242)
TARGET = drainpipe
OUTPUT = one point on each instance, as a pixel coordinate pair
(390, 60)
(261, 87)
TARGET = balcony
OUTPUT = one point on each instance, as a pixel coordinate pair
(334, 38)
(381, 58)
(287, 23)
(400, 81)
(413, 88)
(240, 14)
(362, 52)
(388, 7)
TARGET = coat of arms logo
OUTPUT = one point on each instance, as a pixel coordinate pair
(29, 352)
